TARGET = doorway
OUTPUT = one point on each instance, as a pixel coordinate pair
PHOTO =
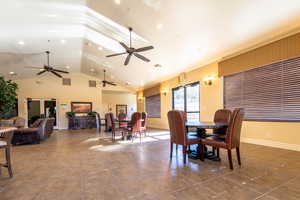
(41, 108)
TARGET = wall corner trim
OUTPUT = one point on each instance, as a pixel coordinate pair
(293, 147)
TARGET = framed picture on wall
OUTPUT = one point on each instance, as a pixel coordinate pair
(81, 107)
(121, 108)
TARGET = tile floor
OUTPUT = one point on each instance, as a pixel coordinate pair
(87, 165)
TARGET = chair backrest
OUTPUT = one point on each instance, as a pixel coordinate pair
(49, 126)
(222, 116)
(108, 120)
(36, 123)
(42, 129)
(112, 121)
(136, 121)
(122, 116)
(233, 134)
(144, 117)
(177, 119)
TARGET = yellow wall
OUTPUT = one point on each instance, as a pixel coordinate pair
(110, 99)
(51, 87)
(277, 134)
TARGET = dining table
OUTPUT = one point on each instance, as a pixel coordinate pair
(201, 127)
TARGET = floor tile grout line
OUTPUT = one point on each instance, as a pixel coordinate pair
(271, 190)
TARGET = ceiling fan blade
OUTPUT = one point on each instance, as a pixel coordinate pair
(41, 72)
(61, 71)
(127, 59)
(144, 49)
(56, 74)
(124, 45)
(141, 57)
(111, 83)
(117, 54)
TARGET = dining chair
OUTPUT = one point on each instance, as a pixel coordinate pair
(144, 118)
(135, 126)
(108, 122)
(115, 129)
(5, 143)
(122, 116)
(221, 116)
(232, 137)
(178, 132)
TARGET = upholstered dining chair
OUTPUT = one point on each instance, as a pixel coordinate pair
(232, 137)
(122, 116)
(135, 126)
(115, 129)
(178, 132)
(221, 116)
(108, 122)
(143, 127)
(5, 143)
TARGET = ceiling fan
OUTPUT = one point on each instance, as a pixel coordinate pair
(132, 51)
(49, 68)
(104, 82)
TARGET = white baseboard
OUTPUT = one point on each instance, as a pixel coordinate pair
(294, 147)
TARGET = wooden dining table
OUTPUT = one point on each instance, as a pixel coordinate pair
(201, 132)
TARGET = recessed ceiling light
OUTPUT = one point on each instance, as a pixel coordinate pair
(63, 41)
(118, 2)
(159, 26)
(157, 65)
(11, 73)
(92, 70)
(21, 42)
(100, 48)
(68, 67)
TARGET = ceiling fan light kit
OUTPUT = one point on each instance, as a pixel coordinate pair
(132, 51)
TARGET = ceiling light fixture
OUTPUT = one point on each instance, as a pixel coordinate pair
(21, 42)
(100, 48)
(118, 2)
(68, 67)
(12, 73)
(63, 41)
(92, 70)
(159, 26)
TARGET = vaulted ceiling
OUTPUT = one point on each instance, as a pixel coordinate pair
(184, 33)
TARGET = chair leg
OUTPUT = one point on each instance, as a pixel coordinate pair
(8, 161)
(184, 154)
(202, 152)
(218, 152)
(176, 148)
(238, 155)
(230, 158)
(214, 150)
(171, 149)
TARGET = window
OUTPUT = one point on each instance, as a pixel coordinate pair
(267, 93)
(187, 98)
(153, 106)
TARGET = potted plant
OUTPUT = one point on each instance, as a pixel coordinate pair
(70, 114)
(92, 114)
(8, 96)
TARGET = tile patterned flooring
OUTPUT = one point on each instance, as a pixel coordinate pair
(87, 165)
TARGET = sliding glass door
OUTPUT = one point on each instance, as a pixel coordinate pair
(187, 98)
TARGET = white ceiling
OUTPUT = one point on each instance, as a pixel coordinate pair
(191, 33)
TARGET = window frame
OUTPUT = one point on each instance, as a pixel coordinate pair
(185, 97)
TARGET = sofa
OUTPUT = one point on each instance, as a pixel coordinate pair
(40, 130)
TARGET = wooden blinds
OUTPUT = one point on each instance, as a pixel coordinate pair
(267, 93)
(153, 106)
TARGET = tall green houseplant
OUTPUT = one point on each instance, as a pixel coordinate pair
(8, 96)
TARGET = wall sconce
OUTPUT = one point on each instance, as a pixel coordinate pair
(208, 80)
(164, 92)
(140, 99)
